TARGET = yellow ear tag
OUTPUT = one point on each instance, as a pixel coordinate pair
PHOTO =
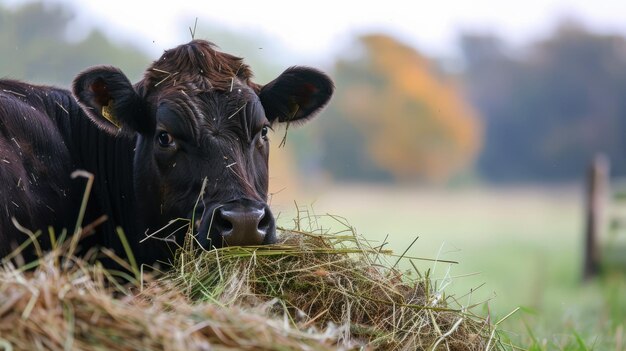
(107, 112)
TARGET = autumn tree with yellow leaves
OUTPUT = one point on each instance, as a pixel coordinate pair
(395, 117)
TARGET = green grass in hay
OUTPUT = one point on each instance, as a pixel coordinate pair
(74, 306)
(320, 281)
(312, 291)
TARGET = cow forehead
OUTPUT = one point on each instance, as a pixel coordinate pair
(198, 64)
(210, 91)
(206, 104)
(237, 113)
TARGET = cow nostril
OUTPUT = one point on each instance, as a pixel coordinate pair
(265, 222)
(221, 222)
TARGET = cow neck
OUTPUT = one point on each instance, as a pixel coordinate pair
(110, 159)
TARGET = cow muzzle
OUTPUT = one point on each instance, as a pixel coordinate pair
(241, 222)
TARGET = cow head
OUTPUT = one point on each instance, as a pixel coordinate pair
(202, 132)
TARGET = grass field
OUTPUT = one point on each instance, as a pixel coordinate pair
(516, 247)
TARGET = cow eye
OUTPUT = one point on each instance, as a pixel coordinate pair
(165, 139)
(264, 132)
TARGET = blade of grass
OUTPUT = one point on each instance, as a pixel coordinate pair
(129, 254)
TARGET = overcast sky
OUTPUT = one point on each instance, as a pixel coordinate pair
(314, 28)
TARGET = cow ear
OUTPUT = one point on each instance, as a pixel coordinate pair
(296, 95)
(111, 101)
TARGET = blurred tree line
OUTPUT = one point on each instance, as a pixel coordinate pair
(533, 113)
(395, 116)
(34, 47)
(545, 109)
(550, 106)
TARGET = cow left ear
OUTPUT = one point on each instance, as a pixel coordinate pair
(296, 95)
(111, 101)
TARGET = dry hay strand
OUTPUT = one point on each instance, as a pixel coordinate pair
(309, 292)
(78, 308)
(336, 282)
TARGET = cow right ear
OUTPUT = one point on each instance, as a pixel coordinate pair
(296, 95)
(110, 100)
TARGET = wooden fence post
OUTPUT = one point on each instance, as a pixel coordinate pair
(596, 190)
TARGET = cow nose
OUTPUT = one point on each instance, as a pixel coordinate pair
(243, 223)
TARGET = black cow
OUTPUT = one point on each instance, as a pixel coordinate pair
(189, 140)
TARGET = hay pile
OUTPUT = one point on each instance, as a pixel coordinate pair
(311, 292)
(53, 309)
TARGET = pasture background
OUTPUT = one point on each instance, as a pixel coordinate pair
(524, 243)
(476, 144)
